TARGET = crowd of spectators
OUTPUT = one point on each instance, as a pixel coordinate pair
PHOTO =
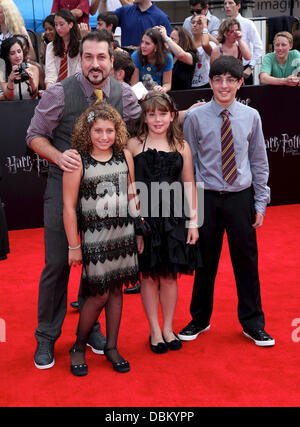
(175, 58)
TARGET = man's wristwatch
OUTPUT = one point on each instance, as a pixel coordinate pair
(205, 31)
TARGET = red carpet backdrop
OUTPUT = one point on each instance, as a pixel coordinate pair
(220, 368)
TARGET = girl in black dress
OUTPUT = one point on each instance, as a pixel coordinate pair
(163, 159)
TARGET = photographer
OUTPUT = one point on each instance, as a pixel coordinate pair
(20, 80)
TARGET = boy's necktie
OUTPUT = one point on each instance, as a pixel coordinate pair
(228, 156)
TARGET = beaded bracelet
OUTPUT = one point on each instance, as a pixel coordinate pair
(76, 247)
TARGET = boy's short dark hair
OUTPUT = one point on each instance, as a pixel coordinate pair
(123, 61)
(109, 18)
(226, 64)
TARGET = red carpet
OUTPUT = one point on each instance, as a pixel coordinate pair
(220, 368)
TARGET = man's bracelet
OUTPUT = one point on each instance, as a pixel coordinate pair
(75, 247)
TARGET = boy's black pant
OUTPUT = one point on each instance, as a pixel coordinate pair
(235, 214)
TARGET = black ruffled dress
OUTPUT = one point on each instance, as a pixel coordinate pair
(166, 251)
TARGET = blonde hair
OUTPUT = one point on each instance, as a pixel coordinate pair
(13, 19)
(285, 34)
(81, 137)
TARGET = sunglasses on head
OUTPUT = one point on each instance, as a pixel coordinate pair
(197, 11)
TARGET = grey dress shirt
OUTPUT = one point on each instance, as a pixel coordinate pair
(202, 129)
(50, 109)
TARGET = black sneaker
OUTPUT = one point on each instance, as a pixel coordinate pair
(133, 290)
(97, 342)
(44, 354)
(191, 331)
(260, 337)
(75, 305)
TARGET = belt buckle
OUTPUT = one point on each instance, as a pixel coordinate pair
(223, 192)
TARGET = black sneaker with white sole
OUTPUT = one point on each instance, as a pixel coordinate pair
(44, 354)
(191, 331)
(260, 337)
(97, 342)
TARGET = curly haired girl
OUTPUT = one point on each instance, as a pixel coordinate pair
(109, 247)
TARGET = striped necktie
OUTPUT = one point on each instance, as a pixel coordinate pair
(63, 69)
(228, 157)
(99, 95)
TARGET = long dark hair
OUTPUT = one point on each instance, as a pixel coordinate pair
(50, 20)
(160, 53)
(74, 36)
(5, 49)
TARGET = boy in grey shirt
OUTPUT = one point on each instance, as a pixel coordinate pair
(230, 158)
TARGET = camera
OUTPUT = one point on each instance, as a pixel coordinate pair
(148, 82)
(23, 75)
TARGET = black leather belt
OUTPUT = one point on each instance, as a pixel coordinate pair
(218, 192)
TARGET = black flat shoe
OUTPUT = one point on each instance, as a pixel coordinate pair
(80, 369)
(175, 344)
(159, 348)
(122, 366)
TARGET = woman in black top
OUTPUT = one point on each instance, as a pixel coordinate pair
(184, 51)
